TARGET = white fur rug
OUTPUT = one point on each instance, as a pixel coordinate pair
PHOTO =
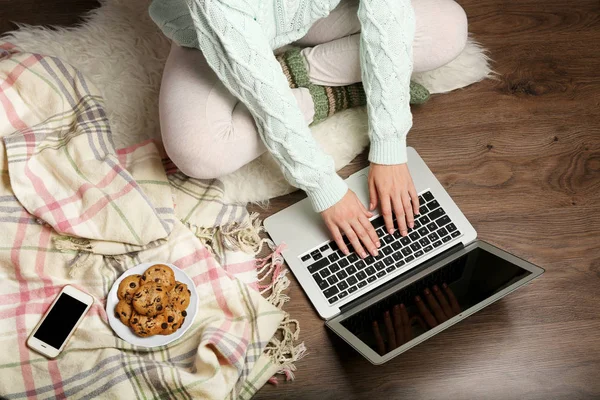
(123, 52)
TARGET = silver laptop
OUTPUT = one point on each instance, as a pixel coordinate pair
(416, 287)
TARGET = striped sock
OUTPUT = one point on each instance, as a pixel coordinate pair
(330, 99)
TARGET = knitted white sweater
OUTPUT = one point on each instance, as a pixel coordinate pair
(238, 37)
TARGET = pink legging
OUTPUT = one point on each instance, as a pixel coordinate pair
(208, 133)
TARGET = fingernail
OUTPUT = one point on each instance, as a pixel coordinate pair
(378, 244)
(444, 285)
(427, 291)
(404, 233)
(435, 288)
(371, 206)
(363, 254)
(392, 231)
(402, 305)
(346, 252)
(417, 299)
(374, 253)
(411, 225)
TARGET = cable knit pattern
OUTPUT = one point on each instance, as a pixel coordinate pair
(238, 37)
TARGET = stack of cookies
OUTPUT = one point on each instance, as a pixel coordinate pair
(153, 303)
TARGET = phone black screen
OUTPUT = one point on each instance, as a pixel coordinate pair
(60, 321)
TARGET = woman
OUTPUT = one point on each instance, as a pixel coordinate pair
(225, 98)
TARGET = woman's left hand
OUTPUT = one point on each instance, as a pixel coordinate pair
(392, 187)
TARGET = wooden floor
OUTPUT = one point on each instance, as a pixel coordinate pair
(521, 157)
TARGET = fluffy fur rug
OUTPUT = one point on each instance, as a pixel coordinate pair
(123, 52)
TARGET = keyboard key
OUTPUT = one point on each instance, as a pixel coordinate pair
(352, 289)
(346, 240)
(343, 294)
(427, 196)
(380, 233)
(397, 234)
(424, 220)
(362, 284)
(451, 228)
(435, 214)
(341, 254)
(405, 241)
(333, 299)
(317, 256)
(352, 257)
(343, 263)
(433, 237)
(320, 281)
(379, 265)
(387, 239)
(305, 257)
(428, 249)
(409, 259)
(415, 246)
(423, 209)
(390, 268)
(342, 274)
(334, 267)
(325, 272)
(332, 280)
(388, 260)
(351, 270)
(318, 265)
(399, 264)
(442, 232)
(360, 265)
(387, 250)
(352, 280)
(414, 236)
(334, 246)
(369, 260)
(333, 257)
(433, 204)
(379, 256)
(423, 231)
(361, 275)
(455, 234)
(418, 253)
(406, 251)
(370, 270)
(421, 201)
(437, 244)
(324, 247)
(331, 291)
(424, 241)
(445, 239)
(315, 252)
(396, 245)
(397, 256)
(378, 222)
(342, 285)
(431, 226)
(442, 221)
(417, 224)
(381, 274)
(371, 279)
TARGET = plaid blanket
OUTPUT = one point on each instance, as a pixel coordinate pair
(75, 211)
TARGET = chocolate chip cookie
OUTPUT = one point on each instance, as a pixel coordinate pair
(174, 319)
(128, 287)
(144, 326)
(161, 274)
(179, 296)
(123, 311)
(150, 299)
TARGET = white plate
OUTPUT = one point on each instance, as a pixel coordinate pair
(125, 332)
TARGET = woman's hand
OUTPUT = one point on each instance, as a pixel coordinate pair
(392, 187)
(349, 216)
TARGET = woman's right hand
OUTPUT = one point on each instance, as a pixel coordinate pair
(349, 216)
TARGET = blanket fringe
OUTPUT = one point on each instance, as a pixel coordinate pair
(68, 243)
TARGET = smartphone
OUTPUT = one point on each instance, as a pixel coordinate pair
(62, 318)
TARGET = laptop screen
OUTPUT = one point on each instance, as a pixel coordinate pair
(429, 301)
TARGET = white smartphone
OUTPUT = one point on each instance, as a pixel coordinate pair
(62, 318)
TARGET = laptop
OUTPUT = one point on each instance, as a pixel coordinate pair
(418, 285)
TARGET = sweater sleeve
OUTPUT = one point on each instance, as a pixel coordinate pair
(239, 52)
(387, 34)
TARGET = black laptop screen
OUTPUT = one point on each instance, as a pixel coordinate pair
(433, 299)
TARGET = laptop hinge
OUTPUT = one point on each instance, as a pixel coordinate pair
(424, 265)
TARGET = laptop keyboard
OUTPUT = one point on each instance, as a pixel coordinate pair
(339, 275)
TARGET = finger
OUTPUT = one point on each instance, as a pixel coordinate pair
(389, 329)
(408, 333)
(398, 328)
(364, 238)
(386, 211)
(400, 216)
(408, 210)
(351, 235)
(443, 302)
(435, 306)
(414, 198)
(372, 195)
(337, 236)
(425, 313)
(368, 226)
(453, 303)
(378, 339)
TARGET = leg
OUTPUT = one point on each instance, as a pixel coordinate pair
(441, 35)
(206, 131)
